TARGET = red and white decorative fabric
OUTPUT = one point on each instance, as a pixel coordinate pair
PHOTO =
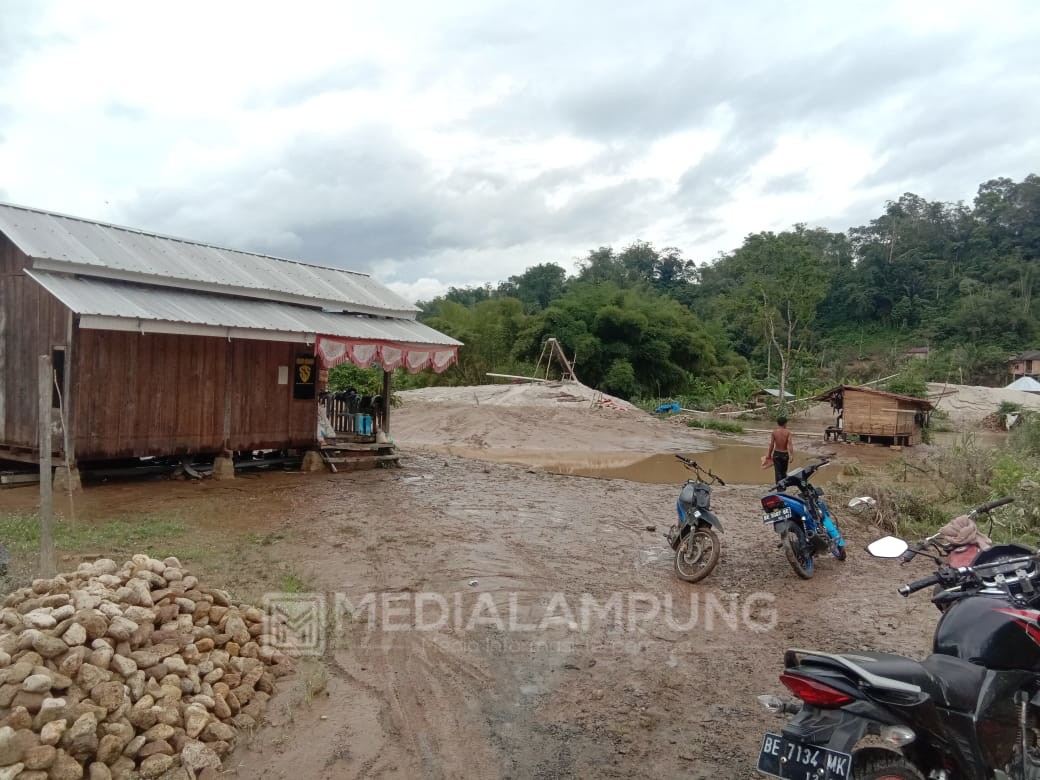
(333, 350)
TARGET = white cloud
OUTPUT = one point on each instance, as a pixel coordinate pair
(461, 142)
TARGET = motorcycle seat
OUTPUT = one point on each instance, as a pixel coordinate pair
(950, 682)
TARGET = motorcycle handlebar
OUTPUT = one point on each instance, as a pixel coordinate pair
(992, 505)
(915, 550)
(692, 464)
(913, 587)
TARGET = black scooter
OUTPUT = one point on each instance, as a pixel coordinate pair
(970, 711)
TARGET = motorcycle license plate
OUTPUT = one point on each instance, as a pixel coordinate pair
(783, 758)
(777, 515)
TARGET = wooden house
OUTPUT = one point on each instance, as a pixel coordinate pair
(162, 346)
(876, 416)
(1025, 364)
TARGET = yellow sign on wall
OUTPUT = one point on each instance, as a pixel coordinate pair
(306, 371)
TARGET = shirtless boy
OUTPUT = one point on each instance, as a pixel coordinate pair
(780, 448)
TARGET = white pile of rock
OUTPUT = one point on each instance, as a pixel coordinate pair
(133, 671)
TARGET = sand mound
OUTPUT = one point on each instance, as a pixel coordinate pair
(557, 394)
(549, 417)
(969, 405)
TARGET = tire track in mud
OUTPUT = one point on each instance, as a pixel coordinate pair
(617, 699)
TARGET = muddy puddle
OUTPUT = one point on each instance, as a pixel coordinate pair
(735, 463)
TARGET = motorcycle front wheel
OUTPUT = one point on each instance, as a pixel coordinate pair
(794, 548)
(697, 555)
(894, 768)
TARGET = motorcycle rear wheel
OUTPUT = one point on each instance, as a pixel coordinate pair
(697, 555)
(894, 768)
(794, 549)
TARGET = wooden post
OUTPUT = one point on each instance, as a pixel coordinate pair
(68, 412)
(387, 389)
(228, 387)
(3, 372)
(46, 499)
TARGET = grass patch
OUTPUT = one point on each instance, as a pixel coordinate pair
(293, 583)
(724, 426)
(145, 533)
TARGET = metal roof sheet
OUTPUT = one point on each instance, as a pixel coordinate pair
(134, 303)
(1025, 383)
(57, 242)
(826, 395)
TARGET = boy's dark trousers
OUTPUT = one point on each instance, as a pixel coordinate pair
(780, 463)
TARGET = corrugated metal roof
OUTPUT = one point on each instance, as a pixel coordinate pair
(1025, 383)
(922, 402)
(57, 242)
(136, 303)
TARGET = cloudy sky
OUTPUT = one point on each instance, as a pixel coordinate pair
(460, 142)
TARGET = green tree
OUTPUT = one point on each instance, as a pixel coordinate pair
(488, 332)
(774, 284)
(536, 287)
(609, 330)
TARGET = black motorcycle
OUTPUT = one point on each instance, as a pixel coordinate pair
(697, 547)
(970, 711)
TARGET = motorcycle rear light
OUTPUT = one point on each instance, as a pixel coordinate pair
(814, 692)
(897, 736)
(772, 502)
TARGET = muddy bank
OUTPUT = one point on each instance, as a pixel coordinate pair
(507, 688)
(519, 623)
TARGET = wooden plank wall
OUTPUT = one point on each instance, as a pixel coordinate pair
(32, 323)
(264, 414)
(147, 394)
(875, 415)
(161, 394)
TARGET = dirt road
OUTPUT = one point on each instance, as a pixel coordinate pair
(628, 693)
(520, 624)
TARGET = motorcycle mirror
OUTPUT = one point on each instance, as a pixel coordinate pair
(887, 547)
(861, 504)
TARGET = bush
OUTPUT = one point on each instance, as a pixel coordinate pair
(1025, 437)
(1007, 407)
(902, 511)
(716, 425)
(367, 381)
(910, 382)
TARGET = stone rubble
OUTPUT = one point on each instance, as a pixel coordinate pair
(117, 672)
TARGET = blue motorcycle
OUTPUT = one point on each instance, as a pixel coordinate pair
(803, 521)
